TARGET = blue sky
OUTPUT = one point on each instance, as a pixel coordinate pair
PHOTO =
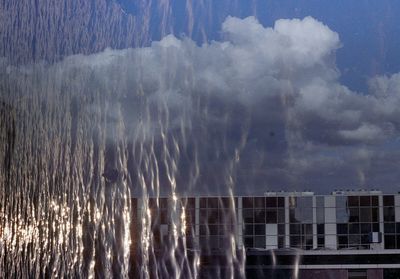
(369, 29)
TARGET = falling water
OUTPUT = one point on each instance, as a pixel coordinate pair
(78, 141)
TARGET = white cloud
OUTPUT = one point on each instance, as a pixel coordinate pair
(278, 86)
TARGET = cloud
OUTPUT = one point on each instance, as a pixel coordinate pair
(262, 108)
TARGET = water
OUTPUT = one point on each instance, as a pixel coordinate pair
(80, 137)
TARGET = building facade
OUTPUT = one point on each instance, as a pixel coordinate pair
(348, 234)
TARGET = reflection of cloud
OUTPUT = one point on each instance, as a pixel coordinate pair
(267, 98)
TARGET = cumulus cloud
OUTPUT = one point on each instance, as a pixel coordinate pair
(262, 108)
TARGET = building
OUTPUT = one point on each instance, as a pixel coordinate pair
(348, 234)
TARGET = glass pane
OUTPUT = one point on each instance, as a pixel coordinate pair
(353, 201)
(354, 228)
(259, 202)
(281, 215)
(248, 242)
(247, 202)
(248, 215)
(365, 214)
(212, 203)
(375, 201)
(390, 242)
(259, 241)
(259, 216)
(320, 229)
(295, 241)
(388, 214)
(281, 202)
(389, 227)
(342, 215)
(320, 202)
(320, 211)
(366, 228)
(375, 214)
(365, 201)
(388, 200)
(354, 215)
(307, 229)
(281, 242)
(259, 229)
(281, 229)
(341, 202)
(295, 229)
(248, 230)
(271, 216)
(271, 202)
(354, 240)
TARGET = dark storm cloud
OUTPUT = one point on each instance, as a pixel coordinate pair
(261, 110)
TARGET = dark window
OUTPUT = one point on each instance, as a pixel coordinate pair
(354, 240)
(281, 215)
(259, 216)
(281, 229)
(281, 202)
(248, 215)
(292, 216)
(375, 201)
(388, 200)
(375, 227)
(270, 201)
(259, 241)
(342, 229)
(365, 228)
(390, 242)
(321, 241)
(212, 216)
(212, 203)
(353, 201)
(365, 239)
(228, 203)
(203, 202)
(388, 214)
(295, 229)
(307, 229)
(365, 201)
(343, 239)
(354, 215)
(259, 229)
(259, 202)
(213, 229)
(248, 242)
(354, 228)
(203, 216)
(295, 241)
(375, 214)
(320, 229)
(247, 202)
(248, 230)
(271, 216)
(389, 228)
(281, 241)
(164, 217)
(365, 214)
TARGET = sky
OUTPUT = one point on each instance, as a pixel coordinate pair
(255, 95)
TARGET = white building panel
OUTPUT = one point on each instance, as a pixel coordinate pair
(271, 229)
(397, 208)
